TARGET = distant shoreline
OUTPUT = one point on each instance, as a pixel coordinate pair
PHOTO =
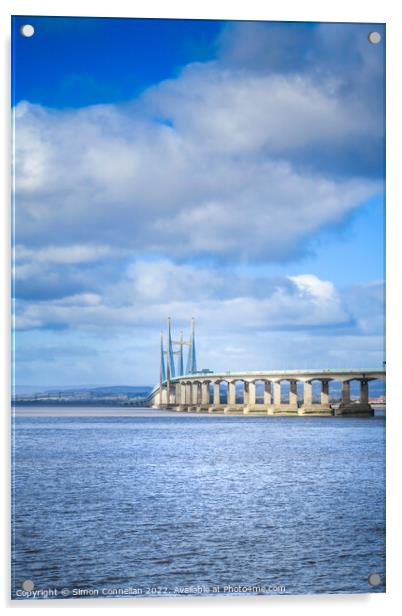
(114, 404)
(70, 410)
(79, 403)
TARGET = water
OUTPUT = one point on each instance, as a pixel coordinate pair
(162, 503)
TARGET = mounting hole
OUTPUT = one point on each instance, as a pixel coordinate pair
(374, 38)
(27, 30)
(28, 585)
(374, 579)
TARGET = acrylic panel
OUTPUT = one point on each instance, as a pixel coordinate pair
(198, 402)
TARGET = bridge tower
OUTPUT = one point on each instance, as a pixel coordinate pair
(162, 372)
(192, 358)
(180, 365)
(169, 370)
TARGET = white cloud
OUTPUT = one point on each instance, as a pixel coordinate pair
(202, 164)
(151, 290)
(321, 290)
(74, 254)
(70, 254)
(235, 112)
(243, 322)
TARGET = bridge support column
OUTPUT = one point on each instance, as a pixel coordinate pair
(196, 394)
(307, 408)
(251, 394)
(355, 409)
(280, 408)
(307, 394)
(252, 406)
(217, 399)
(217, 394)
(277, 393)
(364, 392)
(276, 408)
(293, 405)
(246, 394)
(202, 397)
(277, 403)
(175, 395)
(205, 394)
(188, 395)
(310, 408)
(231, 393)
(231, 405)
(325, 393)
(177, 392)
(268, 405)
(168, 389)
(345, 393)
(267, 393)
(194, 397)
(181, 405)
(159, 403)
(293, 393)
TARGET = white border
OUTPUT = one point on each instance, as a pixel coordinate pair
(378, 11)
(286, 10)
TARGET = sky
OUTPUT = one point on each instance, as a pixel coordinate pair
(227, 171)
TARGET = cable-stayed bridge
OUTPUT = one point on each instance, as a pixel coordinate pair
(284, 392)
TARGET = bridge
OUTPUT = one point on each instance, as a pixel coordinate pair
(286, 392)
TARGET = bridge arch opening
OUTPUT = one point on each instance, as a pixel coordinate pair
(260, 394)
(289, 391)
(223, 392)
(210, 392)
(219, 392)
(239, 391)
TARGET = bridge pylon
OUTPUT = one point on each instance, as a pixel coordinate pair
(171, 369)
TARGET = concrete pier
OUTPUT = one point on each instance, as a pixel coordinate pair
(309, 407)
(355, 408)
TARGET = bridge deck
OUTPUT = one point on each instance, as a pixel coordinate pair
(318, 373)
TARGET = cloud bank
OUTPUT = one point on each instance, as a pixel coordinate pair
(127, 213)
(260, 322)
(223, 160)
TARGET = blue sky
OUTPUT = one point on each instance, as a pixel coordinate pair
(231, 171)
(106, 60)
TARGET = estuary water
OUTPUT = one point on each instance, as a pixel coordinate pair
(114, 502)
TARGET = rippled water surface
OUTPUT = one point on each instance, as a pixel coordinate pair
(162, 503)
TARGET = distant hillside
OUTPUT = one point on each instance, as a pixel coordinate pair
(121, 395)
(37, 389)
